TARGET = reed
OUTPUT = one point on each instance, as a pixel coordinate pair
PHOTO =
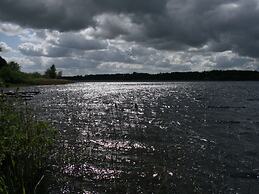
(25, 145)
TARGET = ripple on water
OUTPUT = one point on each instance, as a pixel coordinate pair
(184, 137)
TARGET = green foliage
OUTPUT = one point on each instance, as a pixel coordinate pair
(51, 72)
(14, 66)
(36, 75)
(1, 83)
(10, 74)
(2, 62)
(24, 148)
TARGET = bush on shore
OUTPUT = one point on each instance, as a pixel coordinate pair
(25, 145)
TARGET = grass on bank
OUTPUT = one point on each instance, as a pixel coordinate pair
(36, 82)
(25, 145)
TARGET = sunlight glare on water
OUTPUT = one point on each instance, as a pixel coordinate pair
(182, 137)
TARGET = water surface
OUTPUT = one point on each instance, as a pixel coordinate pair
(173, 137)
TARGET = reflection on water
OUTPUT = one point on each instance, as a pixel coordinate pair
(154, 137)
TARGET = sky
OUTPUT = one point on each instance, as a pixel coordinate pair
(124, 36)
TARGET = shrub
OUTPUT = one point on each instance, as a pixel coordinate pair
(10, 75)
(24, 148)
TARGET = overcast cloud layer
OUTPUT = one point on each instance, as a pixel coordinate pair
(111, 36)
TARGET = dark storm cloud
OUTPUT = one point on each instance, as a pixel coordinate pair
(58, 14)
(67, 15)
(61, 45)
(164, 24)
(78, 41)
(231, 25)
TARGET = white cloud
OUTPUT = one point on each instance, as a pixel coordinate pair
(5, 47)
(119, 67)
(113, 25)
(31, 49)
(80, 53)
(10, 29)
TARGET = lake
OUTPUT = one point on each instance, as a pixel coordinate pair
(172, 137)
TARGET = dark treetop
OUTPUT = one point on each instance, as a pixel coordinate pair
(2, 62)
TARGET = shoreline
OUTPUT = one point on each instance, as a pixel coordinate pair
(38, 82)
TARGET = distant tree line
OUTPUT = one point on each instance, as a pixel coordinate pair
(10, 72)
(215, 75)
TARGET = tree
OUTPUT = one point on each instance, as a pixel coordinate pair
(2, 61)
(51, 72)
(14, 66)
(36, 75)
